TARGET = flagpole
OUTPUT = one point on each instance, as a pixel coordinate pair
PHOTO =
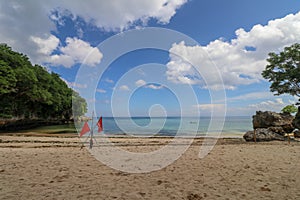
(92, 134)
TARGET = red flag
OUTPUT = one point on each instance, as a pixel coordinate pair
(85, 129)
(100, 126)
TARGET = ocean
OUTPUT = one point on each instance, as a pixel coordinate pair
(187, 126)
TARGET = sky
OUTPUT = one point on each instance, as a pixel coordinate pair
(217, 64)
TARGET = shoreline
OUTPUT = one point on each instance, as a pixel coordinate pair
(42, 140)
(45, 134)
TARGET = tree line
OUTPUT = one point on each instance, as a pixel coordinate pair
(30, 92)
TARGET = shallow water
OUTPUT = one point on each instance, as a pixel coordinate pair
(171, 126)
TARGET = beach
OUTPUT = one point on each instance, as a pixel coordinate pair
(36, 166)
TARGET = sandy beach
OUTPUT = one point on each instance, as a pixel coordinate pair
(40, 167)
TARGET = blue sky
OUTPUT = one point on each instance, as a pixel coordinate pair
(233, 36)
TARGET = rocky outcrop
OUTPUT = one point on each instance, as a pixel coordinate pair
(270, 126)
(269, 119)
(296, 133)
(263, 134)
(296, 121)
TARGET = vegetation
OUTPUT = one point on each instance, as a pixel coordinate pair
(283, 71)
(30, 92)
(289, 109)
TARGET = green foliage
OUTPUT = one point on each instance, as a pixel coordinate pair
(289, 109)
(7, 78)
(283, 71)
(28, 91)
(79, 105)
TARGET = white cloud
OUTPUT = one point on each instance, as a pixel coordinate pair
(101, 90)
(271, 105)
(23, 22)
(75, 86)
(180, 71)
(64, 60)
(46, 46)
(120, 14)
(154, 87)
(210, 109)
(140, 83)
(109, 80)
(252, 96)
(124, 88)
(236, 64)
(78, 51)
(274, 105)
(209, 106)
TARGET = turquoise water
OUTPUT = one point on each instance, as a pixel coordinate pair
(233, 126)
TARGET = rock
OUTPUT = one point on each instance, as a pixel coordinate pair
(269, 119)
(263, 134)
(296, 133)
(279, 130)
(296, 121)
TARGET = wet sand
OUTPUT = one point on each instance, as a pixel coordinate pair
(40, 167)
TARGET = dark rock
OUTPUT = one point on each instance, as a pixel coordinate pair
(263, 134)
(279, 130)
(272, 119)
(296, 133)
(296, 121)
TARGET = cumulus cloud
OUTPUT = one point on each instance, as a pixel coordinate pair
(75, 51)
(120, 14)
(46, 46)
(239, 61)
(179, 71)
(154, 86)
(21, 22)
(27, 25)
(273, 105)
(142, 83)
(266, 105)
(124, 88)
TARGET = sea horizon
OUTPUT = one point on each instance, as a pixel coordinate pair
(234, 126)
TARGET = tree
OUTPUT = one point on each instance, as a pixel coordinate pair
(7, 79)
(283, 71)
(290, 109)
(79, 105)
(30, 91)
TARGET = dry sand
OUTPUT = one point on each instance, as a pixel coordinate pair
(56, 168)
